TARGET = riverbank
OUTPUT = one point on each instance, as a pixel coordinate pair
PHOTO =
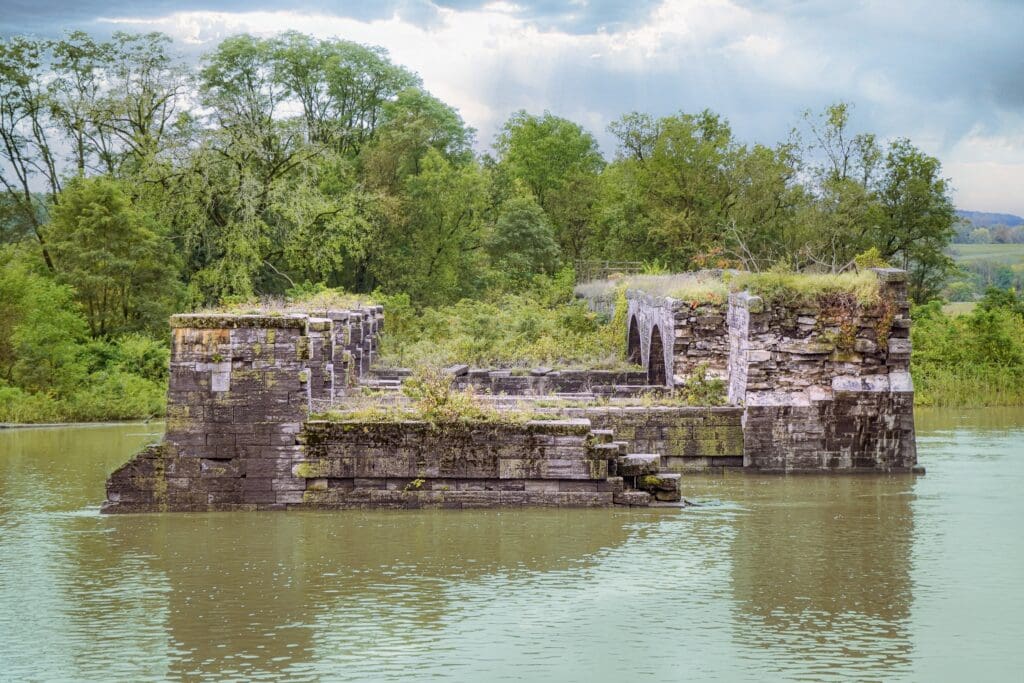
(968, 387)
(112, 398)
(78, 425)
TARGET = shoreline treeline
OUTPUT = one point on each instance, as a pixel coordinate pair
(136, 184)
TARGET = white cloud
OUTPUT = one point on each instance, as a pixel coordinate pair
(759, 68)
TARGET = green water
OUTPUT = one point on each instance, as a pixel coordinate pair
(812, 578)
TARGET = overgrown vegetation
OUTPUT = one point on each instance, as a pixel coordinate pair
(802, 289)
(976, 359)
(134, 184)
(52, 370)
(542, 325)
(430, 397)
(777, 285)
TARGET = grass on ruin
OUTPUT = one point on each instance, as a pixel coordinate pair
(699, 286)
(807, 289)
(774, 286)
(303, 299)
(428, 396)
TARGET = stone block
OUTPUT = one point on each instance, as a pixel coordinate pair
(632, 498)
(664, 487)
(638, 464)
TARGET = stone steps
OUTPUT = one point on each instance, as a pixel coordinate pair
(643, 478)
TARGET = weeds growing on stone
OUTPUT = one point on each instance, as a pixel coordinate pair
(775, 286)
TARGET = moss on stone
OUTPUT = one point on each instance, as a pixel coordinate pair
(311, 469)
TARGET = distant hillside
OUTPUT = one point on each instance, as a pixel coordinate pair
(984, 219)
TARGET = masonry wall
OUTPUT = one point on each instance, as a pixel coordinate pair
(822, 388)
(240, 387)
(239, 438)
(687, 438)
(416, 464)
(826, 387)
(543, 381)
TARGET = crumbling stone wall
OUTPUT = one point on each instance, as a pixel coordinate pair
(354, 333)
(820, 388)
(239, 438)
(652, 316)
(825, 387)
(240, 387)
(542, 381)
(693, 334)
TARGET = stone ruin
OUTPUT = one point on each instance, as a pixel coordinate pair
(819, 390)
(807, 392)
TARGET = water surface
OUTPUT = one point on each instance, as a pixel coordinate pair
(774, 578)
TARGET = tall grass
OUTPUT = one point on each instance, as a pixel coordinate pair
(107, 396)
(974, 359)
(714, 286)
(514, 330)
(975, 386)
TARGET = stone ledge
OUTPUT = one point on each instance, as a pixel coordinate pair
(890, 274)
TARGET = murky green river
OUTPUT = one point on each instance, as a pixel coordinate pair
(812, 578)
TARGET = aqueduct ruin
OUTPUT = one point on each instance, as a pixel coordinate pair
(811, 388)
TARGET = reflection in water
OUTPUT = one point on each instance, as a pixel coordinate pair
(860, 577)
(821, 571)
(378, 577)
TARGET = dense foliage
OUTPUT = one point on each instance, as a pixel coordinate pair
(538, 326)
(133, 184)
(972, 359)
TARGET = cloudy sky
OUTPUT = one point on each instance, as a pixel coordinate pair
(949, 75)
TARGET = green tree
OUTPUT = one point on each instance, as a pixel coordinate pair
(917, 218)
(435, 251)
(559, 162)
(522, 243)
(343, 87)
(122, 271)
(28, 157)
(414, 123)
(677, 192)
(40, 330)
(761, 228)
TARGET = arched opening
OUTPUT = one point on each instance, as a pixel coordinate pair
(656, 362)
(633, 353)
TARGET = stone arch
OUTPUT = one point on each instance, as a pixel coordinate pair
(634, 354)
(656, 360)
